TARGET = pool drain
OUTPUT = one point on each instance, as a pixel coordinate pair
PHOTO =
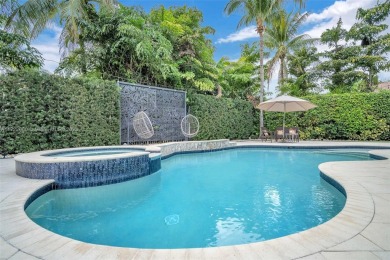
(172, 219)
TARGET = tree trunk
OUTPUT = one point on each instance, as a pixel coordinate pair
(219, 88)
(82, 53)
(282, 71)
(260, 30)
(370, 79)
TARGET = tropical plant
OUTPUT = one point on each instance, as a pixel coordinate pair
(235, 77)
(259, 12)
(301, 66)
(124, 45)
(281, 37)
(192, 51)
(338, 70)
(17, 53)
(167, 47)
(33, 16)
(374, 43)
(15, 49)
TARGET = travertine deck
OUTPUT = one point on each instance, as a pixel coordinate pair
(360, 231)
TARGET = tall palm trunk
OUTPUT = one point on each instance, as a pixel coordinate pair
(82, 52)
(282, 70)
(260, 31)
(83, 57)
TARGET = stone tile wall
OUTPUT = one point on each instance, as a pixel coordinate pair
(87, 173)
(170, 149)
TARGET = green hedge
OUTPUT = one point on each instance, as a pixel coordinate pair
(222, 117)
(363, 116)
(41, 111)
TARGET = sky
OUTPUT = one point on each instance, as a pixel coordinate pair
(227, 39)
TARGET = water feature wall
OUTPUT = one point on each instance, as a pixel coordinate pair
(165, 108)
(170, 149)
(80, 174)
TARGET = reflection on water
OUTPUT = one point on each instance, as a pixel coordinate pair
(229, 229)
(271, 195)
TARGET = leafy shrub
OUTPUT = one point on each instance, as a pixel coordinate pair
(40, 111)
(362, 116)
(222, 117)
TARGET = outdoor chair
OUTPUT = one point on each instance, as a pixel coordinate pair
(265, 134)
(293, 134)
(279, 134)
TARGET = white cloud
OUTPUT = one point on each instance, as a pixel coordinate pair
(242, 35)
(320, 21)
(344, 9)
(328, 18)
(48, 45)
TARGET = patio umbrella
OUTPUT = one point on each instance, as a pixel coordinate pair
(286, 104)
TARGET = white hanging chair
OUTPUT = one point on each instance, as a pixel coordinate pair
(142, 125)
(190, 126)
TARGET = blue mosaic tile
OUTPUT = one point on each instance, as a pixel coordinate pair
(38, 193)
(89, 173)
(334, 183)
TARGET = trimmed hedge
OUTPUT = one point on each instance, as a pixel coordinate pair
(41, 111)
(363, 116)
(221, 118)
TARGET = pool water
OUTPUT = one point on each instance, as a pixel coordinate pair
(94, 152)
(211, 199)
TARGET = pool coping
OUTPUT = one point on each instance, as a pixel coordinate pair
(41, 156)
(19, 233)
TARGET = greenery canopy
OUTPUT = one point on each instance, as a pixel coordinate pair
(170, 47)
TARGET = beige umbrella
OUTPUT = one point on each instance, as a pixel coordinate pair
(286, 104)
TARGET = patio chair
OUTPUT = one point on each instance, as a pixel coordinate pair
(293, 134)
(265, 134)
(279, 134)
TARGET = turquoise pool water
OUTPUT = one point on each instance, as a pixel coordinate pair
(92, 152)
(211, 199)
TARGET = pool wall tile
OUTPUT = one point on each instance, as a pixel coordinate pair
(89, 173)
(171, 149)
(154, 164)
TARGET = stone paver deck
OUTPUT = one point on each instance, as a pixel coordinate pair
(360, 231)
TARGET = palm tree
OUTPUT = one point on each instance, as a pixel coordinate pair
(258, 11)
(281, 37)
(32, 17)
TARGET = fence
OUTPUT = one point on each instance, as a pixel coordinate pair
(165, 108)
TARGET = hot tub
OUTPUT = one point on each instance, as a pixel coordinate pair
(88, 166)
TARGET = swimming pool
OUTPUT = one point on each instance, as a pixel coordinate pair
(212, 199)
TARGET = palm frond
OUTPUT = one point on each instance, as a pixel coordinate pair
(233, 5)
(32, 17)
(271, 64)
